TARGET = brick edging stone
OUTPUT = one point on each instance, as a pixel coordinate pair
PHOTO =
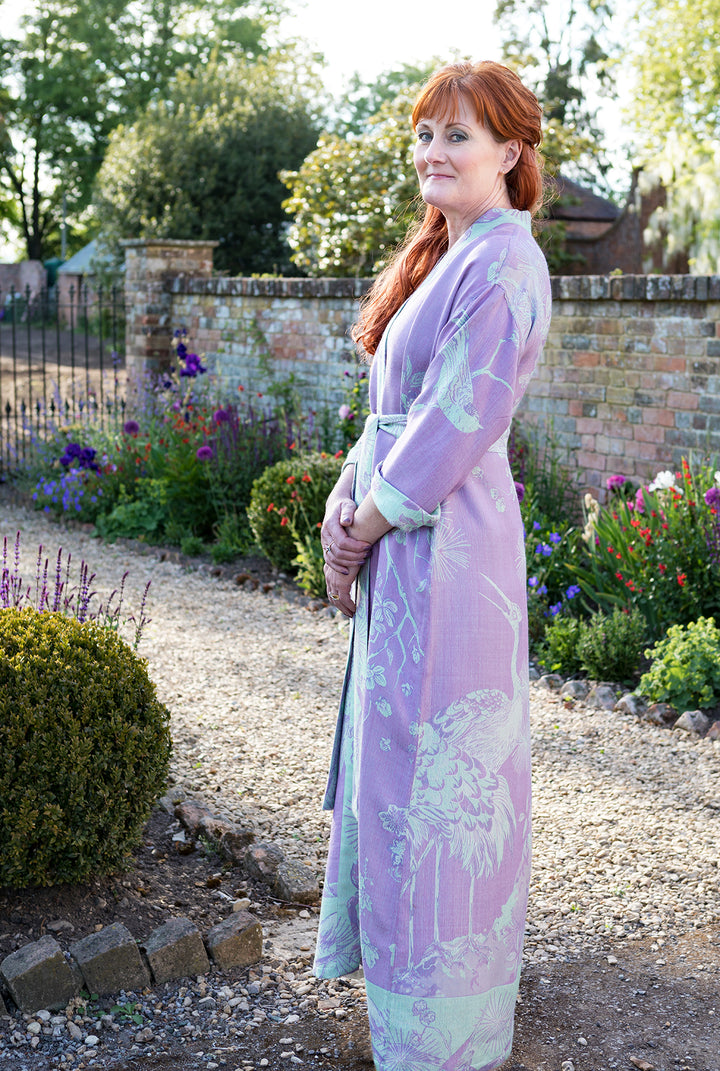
(40, 975)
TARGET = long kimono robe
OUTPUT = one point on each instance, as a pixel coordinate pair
(429, 858)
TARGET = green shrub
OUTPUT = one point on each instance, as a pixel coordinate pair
(610, 646)
(685, 670)
(287, 504)
(559, 649)
(84, 748)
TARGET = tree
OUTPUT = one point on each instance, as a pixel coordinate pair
(362, 101)
(205, 162)
(354, 196)
(563, 52)
(80, 68)
(674, 57)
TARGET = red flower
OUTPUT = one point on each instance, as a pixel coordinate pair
(306, 478)
(271, 507)
(662, 568)
(682, 577)
(283, 522)
(338, 454)
(619, 576)
(290, 479)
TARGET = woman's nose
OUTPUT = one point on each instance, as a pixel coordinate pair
(433, 150)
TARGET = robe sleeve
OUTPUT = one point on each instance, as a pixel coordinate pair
(465, 404)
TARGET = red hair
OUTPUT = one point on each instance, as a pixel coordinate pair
(509, 111)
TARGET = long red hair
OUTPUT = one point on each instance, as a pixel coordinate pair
(509, 111)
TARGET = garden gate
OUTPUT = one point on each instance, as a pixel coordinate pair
(62, 363)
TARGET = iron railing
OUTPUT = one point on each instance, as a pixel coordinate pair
(62, 363)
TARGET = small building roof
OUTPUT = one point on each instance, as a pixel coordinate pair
(571, 201)
(81, 263)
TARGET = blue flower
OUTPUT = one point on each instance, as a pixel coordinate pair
(572, 591)
(555, 609)
(554, 537)
(532, 582)
(543, 548)
(537, 526)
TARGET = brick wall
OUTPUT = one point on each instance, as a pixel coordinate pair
(630, 379)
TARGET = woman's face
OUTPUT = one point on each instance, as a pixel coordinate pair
(462, 168)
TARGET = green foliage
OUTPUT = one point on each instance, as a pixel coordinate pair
(673, 108)
(565, 54)
(77, 70)
(658, 552)
(559, 647)
(607, 647)
(685, 669)
(610, 646)
(361, 101)
(288, 502)
(203, 162)
(84, 749)
(355, 407)
(551, 540)
(354, 196)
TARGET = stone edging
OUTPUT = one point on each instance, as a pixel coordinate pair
(40, 976)
(607, 697)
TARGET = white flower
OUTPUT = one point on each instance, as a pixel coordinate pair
(717, 477)
(664, 481)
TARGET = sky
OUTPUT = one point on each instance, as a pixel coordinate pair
(377, 35)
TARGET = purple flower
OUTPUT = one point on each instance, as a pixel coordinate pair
(555, 609)
(614, 483)
(131, 427)
(344, 412)
(712, 497)
(193, 364)
(555, 537)
(204, 453)
(640, 500)
(520, 490)
(572, 591)
(221, 416)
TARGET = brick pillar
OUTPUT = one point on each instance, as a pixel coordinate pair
(151, 267)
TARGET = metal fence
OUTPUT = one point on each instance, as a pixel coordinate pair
(62, 364)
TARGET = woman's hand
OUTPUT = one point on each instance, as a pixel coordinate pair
(343, 555)
(339, 588)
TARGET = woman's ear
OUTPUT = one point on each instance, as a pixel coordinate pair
(512, 155)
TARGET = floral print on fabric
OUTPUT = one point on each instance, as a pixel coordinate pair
(429, 857)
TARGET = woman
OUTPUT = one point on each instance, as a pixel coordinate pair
(429, 859)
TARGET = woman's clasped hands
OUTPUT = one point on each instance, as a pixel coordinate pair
(343, 555)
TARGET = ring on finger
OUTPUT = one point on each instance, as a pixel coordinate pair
(334, 597)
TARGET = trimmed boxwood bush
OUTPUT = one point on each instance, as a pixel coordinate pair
(294, 490)
(84, 748)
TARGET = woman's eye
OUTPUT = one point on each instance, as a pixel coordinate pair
(424, 135)
(457, 135)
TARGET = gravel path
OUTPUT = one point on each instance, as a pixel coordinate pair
(625, 813)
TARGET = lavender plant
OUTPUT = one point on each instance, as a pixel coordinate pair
(53, 592)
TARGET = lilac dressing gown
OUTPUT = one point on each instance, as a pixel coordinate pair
(429, 857)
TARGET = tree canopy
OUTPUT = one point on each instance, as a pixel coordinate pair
(354, 196)
(204, 163)
(674, 57)
(81, 67)
(564, 52)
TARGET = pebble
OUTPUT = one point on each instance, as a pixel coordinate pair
(625, 841)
